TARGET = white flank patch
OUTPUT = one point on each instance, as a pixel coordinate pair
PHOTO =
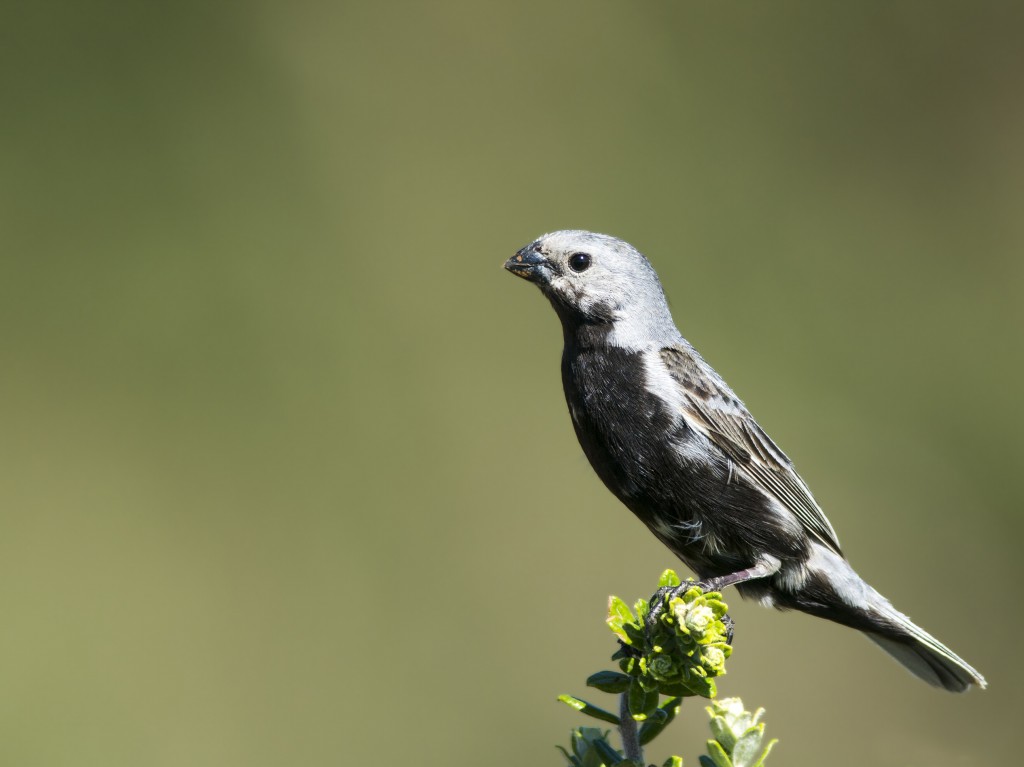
(659, 382)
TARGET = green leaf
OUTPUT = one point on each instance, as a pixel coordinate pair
(620, 616)
(744, 753)
(584, 745)
(669, 579)
(659, 720)
(705, 761)
(583, 738)
(673, 761)
(592, 757)
(642, 703)
(585, 708)
(609, 681)
(722, 733)
(718, 755)
(641, 606)
(652, 727)
(764, 754)
(608, 754)
(677, 690)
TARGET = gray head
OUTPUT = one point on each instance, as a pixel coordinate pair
(597, 279)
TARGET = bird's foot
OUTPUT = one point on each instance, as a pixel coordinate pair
(656, 606)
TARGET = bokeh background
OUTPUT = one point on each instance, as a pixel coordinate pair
(287, 476)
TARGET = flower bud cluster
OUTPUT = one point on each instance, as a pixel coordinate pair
(681, 651)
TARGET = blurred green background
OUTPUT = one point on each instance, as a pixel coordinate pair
(287, 476)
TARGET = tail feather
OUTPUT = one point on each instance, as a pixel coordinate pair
(930, 660)
(833, 590)
(919, 652)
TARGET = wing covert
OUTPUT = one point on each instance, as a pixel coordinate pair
(712, 409)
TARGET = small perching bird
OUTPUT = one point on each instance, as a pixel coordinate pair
(669, 438)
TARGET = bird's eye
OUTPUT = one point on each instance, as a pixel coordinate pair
(579, 262)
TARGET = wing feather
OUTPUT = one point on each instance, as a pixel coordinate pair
(712, 409)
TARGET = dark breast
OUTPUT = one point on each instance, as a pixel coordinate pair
(681, 487)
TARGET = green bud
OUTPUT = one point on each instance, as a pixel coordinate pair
(697, 619)
(668, 579)
(714, 659)
(738, 734)
(661, 667)
(733, 718)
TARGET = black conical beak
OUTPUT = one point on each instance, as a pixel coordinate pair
(527, 263)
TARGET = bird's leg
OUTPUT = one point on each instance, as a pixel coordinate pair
(765, 566)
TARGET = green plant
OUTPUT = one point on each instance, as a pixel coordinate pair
(671, 648)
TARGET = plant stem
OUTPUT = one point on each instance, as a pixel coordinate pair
(630, 735)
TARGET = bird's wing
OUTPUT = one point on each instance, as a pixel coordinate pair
(713, 410)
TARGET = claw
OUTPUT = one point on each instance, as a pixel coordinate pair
(730, 628)
(657, 604)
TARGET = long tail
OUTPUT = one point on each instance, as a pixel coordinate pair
(834, 591)
(924, 655)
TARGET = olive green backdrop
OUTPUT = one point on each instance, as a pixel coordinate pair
(286, 477)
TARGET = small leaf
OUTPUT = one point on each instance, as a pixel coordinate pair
(669, 579)
(584, 737)
(718, 755)
(609, 681)
(592, 757)
(619, 616)
(659, 720)
(677, 690)
(673, 761)
(652, 727)
(585, 708)
(764, 754)
(642, 703)
(620, 610)
(722, 733)
(744, 753)
(705, 761)
(640, 607)
(637, 699)
(608, 754)
(692, 593)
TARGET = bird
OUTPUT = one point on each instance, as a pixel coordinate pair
(669, 438)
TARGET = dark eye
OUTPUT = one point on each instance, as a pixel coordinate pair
(579, 262)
